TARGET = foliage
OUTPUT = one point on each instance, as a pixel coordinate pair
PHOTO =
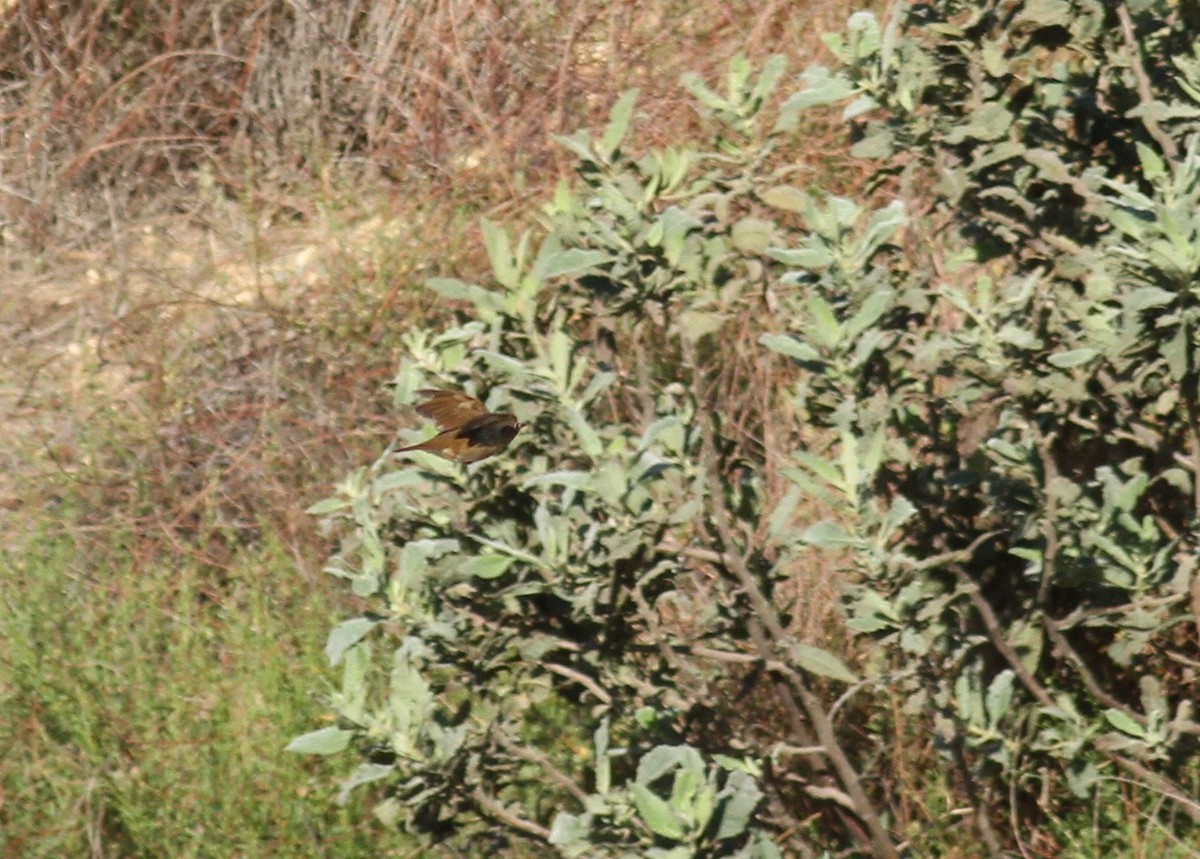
(997, 434)
(1024, 491)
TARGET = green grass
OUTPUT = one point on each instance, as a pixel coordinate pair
(143, 714)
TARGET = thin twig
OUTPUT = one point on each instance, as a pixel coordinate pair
(1085, 674)
(552, 772)
(1164, 140)
(582, 679)
(492, 808)
(996, 636)
(1050, 476)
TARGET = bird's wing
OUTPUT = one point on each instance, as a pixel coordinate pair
(449, 409)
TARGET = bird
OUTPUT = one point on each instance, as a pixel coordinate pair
(468, 431)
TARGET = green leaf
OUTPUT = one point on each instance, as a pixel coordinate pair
(589, 442)
(786, 344)
(351, 701)
(827, 535)
(599, 383)
(900, 510)
(1073, 358)
(1153, 166)
(364, 774)
(780, 522)
(772, 71)
(700, 91)
(345, 635)
(618, 125)
(1082, 777)
(411, 699)
(326, 741)
(671, 231)
(817, 661)
(752, 236)
(1020, 337)
(1175, 351)
(327, 505)
(1028, 639)
(871, 613)
(743, 765)
(657, 813)
(579, 144)
(397, 479)
(742, 796)
(914, 643)
(686, 788)
(877, 144)
(990, 122)
(583, 480)
(789, 198)
(519, 554)
(505, 363)
(876, 304)
(825, 329)
(389, 812)
(1049, 164)
(821, 87)
(1124, 723)
(697, 324)
(1046, 13)
(819, 466)
(667, 431)
(999, 695)
(882, 226)
(489, 566)
(458, 290)
(559, 349)
(969, 698)
(661, 760)
(702, 806)
(600, 741)
(499, 251)
(570, 829)
(812, 258)
(570, 262)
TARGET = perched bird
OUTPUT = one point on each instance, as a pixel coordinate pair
(469, 432)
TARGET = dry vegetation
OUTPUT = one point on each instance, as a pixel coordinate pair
(218, 217)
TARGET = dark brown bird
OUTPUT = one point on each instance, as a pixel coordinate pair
(469, 432)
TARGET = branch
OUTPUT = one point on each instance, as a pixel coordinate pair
(1164, 140)
(765, 614)
(1089, 680)
(554, 773)
(492, 808)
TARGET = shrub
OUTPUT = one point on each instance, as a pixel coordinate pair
(986, 360)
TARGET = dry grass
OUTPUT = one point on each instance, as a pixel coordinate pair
(113, 110)
(178, 188)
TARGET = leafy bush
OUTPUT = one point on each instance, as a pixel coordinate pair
(1023, 495)
(996, 437)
